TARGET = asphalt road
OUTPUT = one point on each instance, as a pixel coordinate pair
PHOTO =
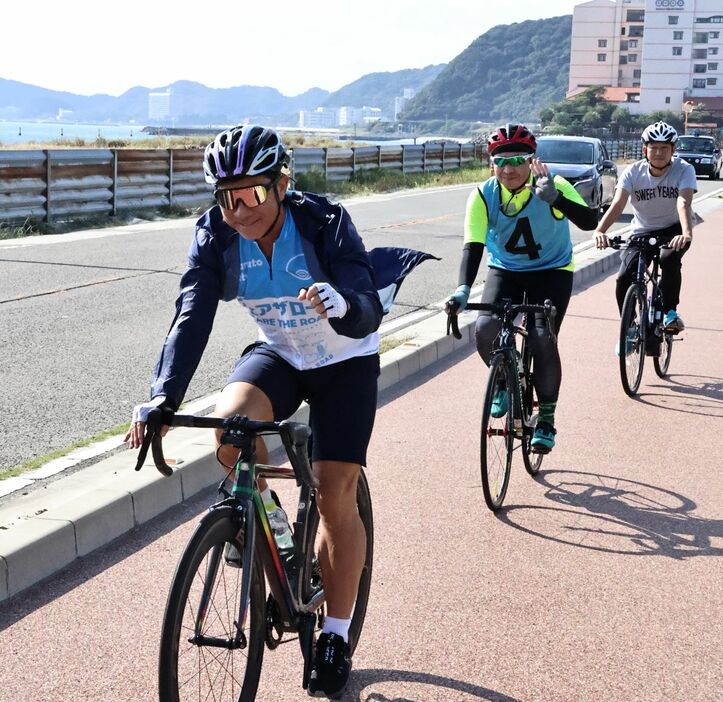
(84, 315)
(600, 580)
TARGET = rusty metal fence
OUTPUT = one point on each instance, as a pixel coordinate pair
(64, 184)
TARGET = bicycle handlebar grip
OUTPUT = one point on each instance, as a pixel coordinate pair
(154, 440)
(158, 459)
(452, 322)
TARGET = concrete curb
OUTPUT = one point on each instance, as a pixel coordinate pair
(46, 529)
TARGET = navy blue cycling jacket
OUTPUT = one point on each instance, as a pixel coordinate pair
(334, 254)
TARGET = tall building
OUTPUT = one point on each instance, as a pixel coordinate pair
(159, 106)
(671, 50)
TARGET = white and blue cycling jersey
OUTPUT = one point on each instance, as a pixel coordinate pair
(291, 327)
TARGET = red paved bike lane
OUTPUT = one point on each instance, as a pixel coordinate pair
(599, 580)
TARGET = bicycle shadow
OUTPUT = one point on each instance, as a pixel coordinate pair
(416, 688)
(701, 395)
(615, 515)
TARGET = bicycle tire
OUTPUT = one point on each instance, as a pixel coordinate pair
(195, 672)
(492, 451)
(631, 341)
(662, 362)
(311, 567)
(532, 461)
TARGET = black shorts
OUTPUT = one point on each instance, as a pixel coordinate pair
(342, 398)
(551, 284)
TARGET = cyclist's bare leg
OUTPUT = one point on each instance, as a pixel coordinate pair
(244, 399)
(343, 541)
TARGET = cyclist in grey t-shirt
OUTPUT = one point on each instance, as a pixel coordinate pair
(661, 189)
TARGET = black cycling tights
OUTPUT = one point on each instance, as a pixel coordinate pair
(555, 285)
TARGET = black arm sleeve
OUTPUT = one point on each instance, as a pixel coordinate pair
(469, 266)
(581, 216)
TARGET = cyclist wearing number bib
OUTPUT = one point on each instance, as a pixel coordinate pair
(297, 263)
(521, 215)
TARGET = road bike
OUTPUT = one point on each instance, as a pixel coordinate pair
(641, 320)
(218, 618)
(512, 380)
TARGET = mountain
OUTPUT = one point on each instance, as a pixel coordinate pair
(380, 89)
(510, 72)
(191, 103)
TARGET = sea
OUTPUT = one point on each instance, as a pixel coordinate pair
(39, 132)
(21, 132)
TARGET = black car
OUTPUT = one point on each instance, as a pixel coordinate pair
(702, 153)
(584, 162)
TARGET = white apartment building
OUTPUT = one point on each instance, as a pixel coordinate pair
(671, 50)
(159, 106)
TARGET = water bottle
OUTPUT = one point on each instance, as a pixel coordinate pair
(280, 529)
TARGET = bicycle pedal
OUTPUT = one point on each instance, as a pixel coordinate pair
(542, 450)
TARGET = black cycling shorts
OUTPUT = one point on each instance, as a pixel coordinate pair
(342, 398)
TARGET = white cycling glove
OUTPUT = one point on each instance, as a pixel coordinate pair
(334, 302)
(544, 188)
(141, 412)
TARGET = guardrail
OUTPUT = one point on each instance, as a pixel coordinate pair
(59, 184)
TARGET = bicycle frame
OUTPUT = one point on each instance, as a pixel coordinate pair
(246, 499)
(507, 347)
(644, 277)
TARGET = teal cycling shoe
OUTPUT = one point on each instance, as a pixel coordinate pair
(499, 404)
(543, 440)
(673, 322)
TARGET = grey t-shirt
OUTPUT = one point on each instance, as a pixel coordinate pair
(654, 199)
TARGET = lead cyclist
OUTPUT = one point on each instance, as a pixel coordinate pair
(295, 261)
(521, 214)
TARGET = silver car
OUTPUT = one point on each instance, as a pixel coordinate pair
(583, 162)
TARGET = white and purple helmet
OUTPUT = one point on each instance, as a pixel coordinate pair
(245, 150)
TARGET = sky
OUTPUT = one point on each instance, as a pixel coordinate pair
(92, 46)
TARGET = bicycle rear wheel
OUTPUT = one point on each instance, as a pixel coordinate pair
(312, 568)
(631, 342)
(496, 434)
(662, 362)
(200, 658)
(532, 461)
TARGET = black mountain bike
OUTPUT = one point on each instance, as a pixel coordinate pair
(511, 377)
(641, 320)
(218, 618)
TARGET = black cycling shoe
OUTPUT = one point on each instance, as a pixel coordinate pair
(332, 666)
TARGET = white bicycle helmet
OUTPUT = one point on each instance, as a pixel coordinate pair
(660, 131)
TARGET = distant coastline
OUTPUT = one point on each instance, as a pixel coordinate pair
(39, 132)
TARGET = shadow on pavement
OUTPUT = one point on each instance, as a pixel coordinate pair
(692, 394)
(83, 569)
(614, 515)
(419, 683)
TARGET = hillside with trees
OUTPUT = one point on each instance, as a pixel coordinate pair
(510, 72)
(380, 89)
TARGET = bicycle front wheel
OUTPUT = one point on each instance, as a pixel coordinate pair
(662, 362)
(496, 434)
(631, 342)
(312, 568)
(206, 652)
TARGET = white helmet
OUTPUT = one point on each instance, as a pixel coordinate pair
(660, 131)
